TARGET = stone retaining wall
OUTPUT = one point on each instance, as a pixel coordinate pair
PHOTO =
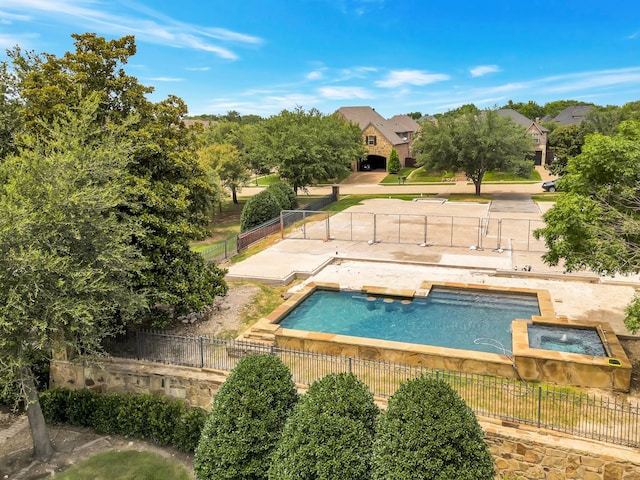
(519, 453)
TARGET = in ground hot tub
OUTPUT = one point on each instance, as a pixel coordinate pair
(585, 354)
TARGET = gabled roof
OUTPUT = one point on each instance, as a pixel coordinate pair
(572, 115)
(520, 119)
(516, 117)
(365, 116)
(404, 123)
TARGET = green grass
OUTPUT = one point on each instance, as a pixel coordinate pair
(469, 197)
(546, 197)
(419, 175)
(126, 465)
(534, 176)
(392, 178)
(266, 180)
(351, 200)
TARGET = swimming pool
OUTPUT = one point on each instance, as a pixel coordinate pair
(446, 317)
(525, 361)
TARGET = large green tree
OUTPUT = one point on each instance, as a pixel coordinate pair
(565, 142)
(307, 147)
(595, 224)
(174, 195)
(474, 144)
(67, 260)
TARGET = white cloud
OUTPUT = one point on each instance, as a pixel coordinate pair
(315, 75)
(343, 93)
(410, 77)
(166, 79)
(146, 24)
(198, 69)
(481, 70)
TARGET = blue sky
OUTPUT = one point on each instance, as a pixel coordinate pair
(398, 56)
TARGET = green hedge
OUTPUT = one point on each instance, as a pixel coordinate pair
(165, 421)
(267, 205)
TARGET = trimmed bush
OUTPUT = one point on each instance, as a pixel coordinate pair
(429, 432)
(246, 420)
(162, 420)
(284, 193)
(394, 162)
(329, 435)
(260, 208)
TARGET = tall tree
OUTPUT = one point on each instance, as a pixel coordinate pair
(226, 161)
(531, 109)
(595, 224)
(565, 141)
(474, 144)
(10, 111)
(174, 195)
(67, 260)
(308, 147)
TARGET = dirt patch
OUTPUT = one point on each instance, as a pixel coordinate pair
(632, 349)
(224, 319)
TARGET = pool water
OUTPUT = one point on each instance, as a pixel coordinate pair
(566, 339)
(452, 318)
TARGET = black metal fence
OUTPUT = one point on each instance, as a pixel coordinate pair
(220, 250)
(600, 417)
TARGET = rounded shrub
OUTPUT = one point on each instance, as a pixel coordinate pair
(189, 428)
(429, 432)
(285, 195)
(260, 208)
(329, 435)
(246, 419)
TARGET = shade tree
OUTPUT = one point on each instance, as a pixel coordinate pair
(474, 144)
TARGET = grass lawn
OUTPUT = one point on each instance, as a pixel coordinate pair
(347, 201)
(533, 177)
(126, 465)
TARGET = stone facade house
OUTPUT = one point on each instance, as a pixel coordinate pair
(380, 135)
(532, 128)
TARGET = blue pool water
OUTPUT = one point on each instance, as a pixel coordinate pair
(453, 318)
(566, 339)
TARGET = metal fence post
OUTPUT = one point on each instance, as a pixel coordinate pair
(539, 405)
(399, 222)
(479, 233)
(426, 220)
(281, 225)
(350, 366)
(328, 228)
(138, 353)
(529, 236)
(374, 227)
(201, 345)
(451, 236)
(499, 233)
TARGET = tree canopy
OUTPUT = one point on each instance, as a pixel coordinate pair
(595, 224)
(67, 260)
(474, 144)
(307, 147)
(174, 195)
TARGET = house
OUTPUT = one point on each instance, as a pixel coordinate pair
(380, 135)
(534, 130)
(572, 115)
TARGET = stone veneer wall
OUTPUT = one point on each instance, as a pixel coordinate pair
(519, 453)
(193, 385)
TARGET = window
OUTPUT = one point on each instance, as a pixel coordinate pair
(371, 140)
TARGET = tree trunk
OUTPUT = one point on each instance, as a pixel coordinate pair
(42, 447)
(234, 195)
(477, 184)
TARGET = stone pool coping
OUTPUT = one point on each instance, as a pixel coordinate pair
(525, 363)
